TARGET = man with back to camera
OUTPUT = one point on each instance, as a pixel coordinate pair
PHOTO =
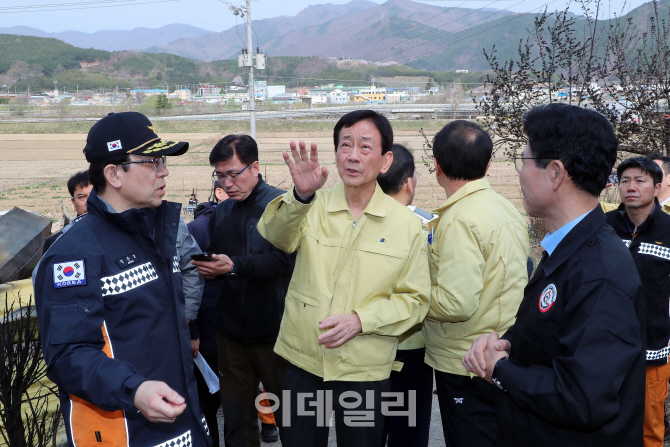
(478, 254)
(645, 229)
(360, 281)
(110, 301)
(79, 188)
(255, 280)
(572, 365)
(399, 182)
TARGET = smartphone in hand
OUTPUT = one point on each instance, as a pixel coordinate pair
(202, 257)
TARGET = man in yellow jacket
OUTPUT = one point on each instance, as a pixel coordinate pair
(360, 281)
(478, 252)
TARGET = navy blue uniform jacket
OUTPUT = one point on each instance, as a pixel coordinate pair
(251, 302)
(650, 249)
(576, 374)
(111, 315)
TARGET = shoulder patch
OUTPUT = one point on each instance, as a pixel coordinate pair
(70, 273)
(547, 298)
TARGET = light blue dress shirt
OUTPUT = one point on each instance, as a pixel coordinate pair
(551, 240)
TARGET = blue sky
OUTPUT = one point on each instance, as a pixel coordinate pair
(214, 15)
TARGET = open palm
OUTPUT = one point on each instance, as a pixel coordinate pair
(308, 176)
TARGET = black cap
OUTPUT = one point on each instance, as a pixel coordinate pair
(127, 133)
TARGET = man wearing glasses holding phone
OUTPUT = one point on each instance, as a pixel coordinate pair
(255, 276)
(110, 300)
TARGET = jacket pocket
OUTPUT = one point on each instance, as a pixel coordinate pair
(381, 249)
(66, 322)
(302, 312)
(306, 295)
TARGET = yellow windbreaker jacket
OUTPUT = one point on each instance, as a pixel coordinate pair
(478, 254)
(376, 266)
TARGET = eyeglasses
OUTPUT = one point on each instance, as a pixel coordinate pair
(518, 161)
(231, 175)
(159, 162)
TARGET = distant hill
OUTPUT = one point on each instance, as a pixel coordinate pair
(374, 34)
(357, 29)
(35, 63)
(226, 44)
(49, 54)
(115, 40)
(423, 36)
(464, 49)
(399, 30)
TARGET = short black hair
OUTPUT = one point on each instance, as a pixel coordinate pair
(79, 179)
(380, 122)
(582, 139)
(400, 170)
(665, 161)
(463, 150)
(243, 145)
(646, 165)
(96, 171)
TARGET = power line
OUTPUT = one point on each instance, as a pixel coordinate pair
(436, 28)
(76, 5)
(516, 16)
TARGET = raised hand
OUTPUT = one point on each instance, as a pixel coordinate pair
(308, 176)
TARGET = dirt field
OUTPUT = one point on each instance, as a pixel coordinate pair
(35, 168)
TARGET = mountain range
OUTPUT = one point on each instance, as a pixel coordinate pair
(116, 40)
(419, 35)
(360, 29)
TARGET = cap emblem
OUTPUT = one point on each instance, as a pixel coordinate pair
(159, 147)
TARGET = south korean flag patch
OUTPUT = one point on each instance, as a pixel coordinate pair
(114, 145)
(68, 274)
(547, 298)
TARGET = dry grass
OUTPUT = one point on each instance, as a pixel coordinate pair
(35, 166)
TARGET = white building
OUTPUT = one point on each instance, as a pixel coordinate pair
(338, 96)
(274, 90)
(319, 99)
(261, 89)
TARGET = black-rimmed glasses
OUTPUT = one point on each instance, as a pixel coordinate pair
(159, 162)
(231, 175)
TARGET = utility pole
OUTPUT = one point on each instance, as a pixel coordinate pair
(248, 59)
(252, 92)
